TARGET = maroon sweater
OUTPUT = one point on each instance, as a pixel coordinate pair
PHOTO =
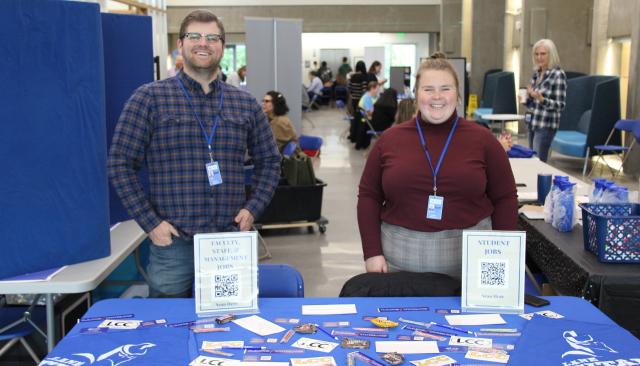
(475, 179)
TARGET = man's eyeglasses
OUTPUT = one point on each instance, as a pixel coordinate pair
(266, 101)
(195, 37)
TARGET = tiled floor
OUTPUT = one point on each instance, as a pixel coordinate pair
(327, 260)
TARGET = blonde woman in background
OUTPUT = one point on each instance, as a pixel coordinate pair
(406, 110)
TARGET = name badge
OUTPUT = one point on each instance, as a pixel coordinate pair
(434, 207)
(213, 173)
(528, 117)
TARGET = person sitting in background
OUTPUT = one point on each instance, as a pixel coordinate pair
(369, 98)
(178, 66)
(274, 105)
(315, 86)
(384, 110)
(365, 110)
(505, 140)
(237, 78)
(324, 73)
(406, 110)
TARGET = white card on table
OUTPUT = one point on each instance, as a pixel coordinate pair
(329, 309)
(475, 319)
(549, 314)
(213, 361)
(470, 342)
(217, 345)
(408, 347)
(315, 345)
(527, 316)
(439, 360)
(259, 325)
(314, 361)
(484, 356)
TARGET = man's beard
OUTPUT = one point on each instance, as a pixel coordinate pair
(208, 67)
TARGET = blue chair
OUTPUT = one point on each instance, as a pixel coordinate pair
(17, 323)
(289, 149)
(279, 280)
(308, 142)
(627, 125)
(592, 108)
(499, 96)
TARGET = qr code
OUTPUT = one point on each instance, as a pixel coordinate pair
(225, 285)
(493, 273)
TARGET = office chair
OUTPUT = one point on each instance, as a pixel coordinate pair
(17, 323)
(310, 144)
(279, 280)
(627, 125)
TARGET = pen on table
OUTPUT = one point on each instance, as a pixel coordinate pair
(415, 322)
(451, 327)
(245, 347)
(325, 332)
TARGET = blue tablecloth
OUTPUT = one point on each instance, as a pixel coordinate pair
(178, 346)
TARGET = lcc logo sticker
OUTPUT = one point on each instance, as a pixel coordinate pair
(315, 345)
(470, 342)
(120, 324)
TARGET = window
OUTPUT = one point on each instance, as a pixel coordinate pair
(404, 55)
(235, 56)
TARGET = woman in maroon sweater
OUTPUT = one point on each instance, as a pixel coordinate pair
(412, 222)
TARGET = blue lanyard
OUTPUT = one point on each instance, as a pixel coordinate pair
(444, 151)
(208, 138)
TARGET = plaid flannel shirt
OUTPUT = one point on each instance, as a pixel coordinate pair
(158, 125)
(553, 88)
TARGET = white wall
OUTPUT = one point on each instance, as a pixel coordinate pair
(356, 43)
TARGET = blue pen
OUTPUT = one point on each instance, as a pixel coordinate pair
(452, 328)
(325, 332)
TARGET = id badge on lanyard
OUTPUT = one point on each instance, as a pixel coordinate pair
(435, 203)
(213, 173)
(434, 207)
(212, 167)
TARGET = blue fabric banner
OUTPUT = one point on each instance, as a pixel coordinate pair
(53, 188)
(128, 64)
(563, 342)
(156, 345)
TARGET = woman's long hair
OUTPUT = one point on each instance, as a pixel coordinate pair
(361, 67)
(388, 98)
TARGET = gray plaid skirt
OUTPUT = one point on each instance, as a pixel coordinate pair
(418, 251)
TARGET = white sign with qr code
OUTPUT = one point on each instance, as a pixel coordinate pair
(226, 273)
(493, 268)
